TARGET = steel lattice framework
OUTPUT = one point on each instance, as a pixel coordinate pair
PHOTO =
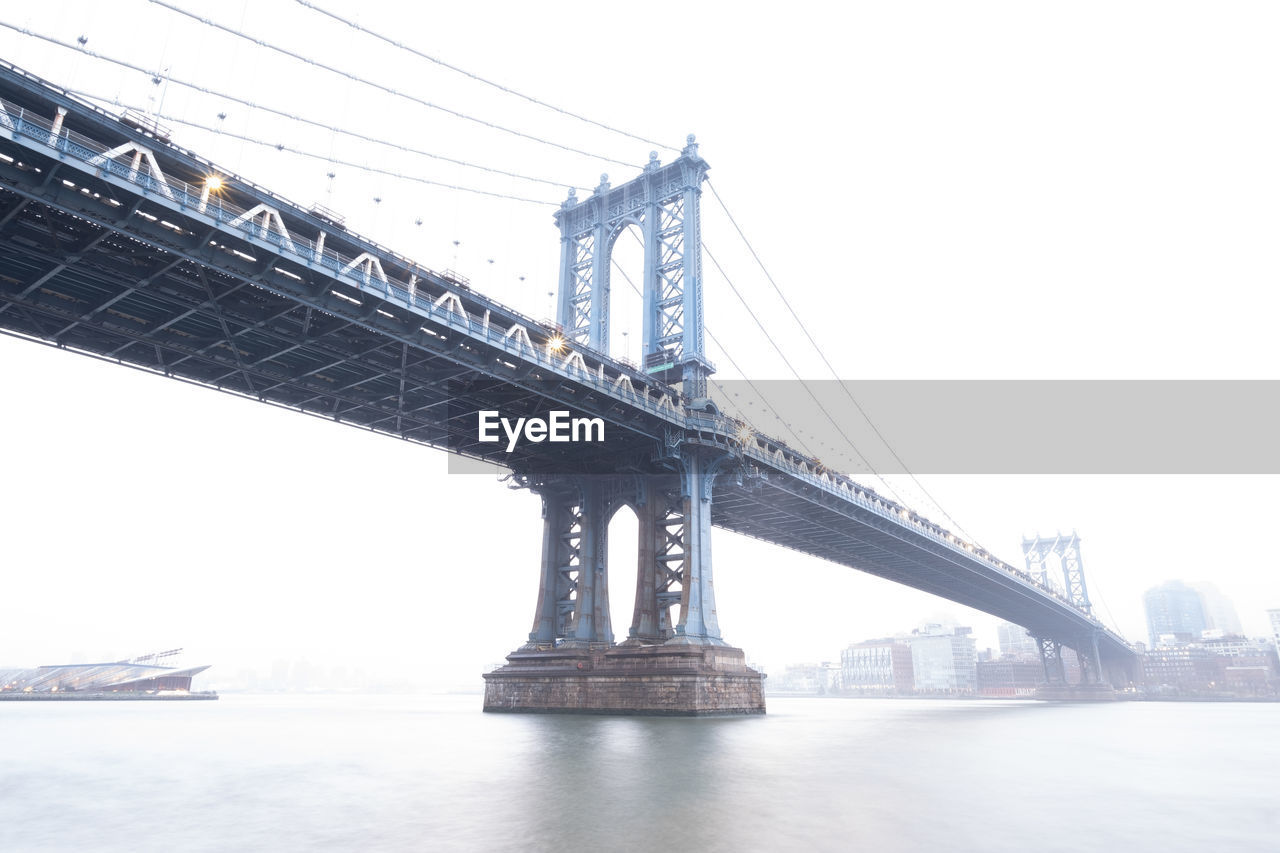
(664, 202)
(114, 244)
(1036, 552)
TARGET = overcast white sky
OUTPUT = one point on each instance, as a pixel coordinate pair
(983, 190)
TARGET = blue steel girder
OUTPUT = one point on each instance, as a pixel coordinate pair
(228, 333)
(1051, 658)
(699, 620)
(321, 392)
(573, 593)
(668, 308)
(66, 259)
(211, 303)
(562, 566)
(1073, 574)
(786, 513)
(660, 562)
(577, 323)
(1037, 553)
(1067, 550)
(113, 172)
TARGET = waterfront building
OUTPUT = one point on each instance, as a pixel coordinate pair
(1248, 675)
(1221, 666)
(1274, 616)
(1184, 669)
(1008, 677)
(116, 677)
(1235, 646)
(1174, 614)
(877, 667)
(1245, 666)
(944, 661)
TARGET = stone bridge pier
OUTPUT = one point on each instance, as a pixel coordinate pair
(673, 660)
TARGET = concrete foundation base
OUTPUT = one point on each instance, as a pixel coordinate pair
(1076, 692)
(680, 681)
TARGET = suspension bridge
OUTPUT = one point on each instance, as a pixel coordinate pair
(118, 244)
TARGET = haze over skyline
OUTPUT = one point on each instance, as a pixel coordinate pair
(935, 198)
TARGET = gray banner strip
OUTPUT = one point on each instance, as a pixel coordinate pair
(1012, 426)
(1024, 427)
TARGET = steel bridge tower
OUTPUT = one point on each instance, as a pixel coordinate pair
(113, 243)
(667, 664)
(1037, 552)
(664, 202)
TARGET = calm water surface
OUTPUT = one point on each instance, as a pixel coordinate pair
(319, 773)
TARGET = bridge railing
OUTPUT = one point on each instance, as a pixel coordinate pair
(21, 122)
(848, 489)
(188, 198)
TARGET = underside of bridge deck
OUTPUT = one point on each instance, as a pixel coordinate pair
(113, 245)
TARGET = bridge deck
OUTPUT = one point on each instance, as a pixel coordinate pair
(254, 295)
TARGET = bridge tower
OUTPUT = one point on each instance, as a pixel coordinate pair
(667, 664)
(1037, 552)
(1067, 549)
(664, 201)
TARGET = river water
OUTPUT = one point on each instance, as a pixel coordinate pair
(346, 773)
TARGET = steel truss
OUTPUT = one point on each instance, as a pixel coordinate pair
(136, 266)
(131, 258)
(661, 561)
(673, 556)
(1051, 657)
(1067, 548)
(664, 201)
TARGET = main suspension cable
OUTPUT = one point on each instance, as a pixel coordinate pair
(731, 361)
(279, 146)
(387, 40)
(374, 84)
(832, 369)
(196, 87)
